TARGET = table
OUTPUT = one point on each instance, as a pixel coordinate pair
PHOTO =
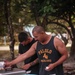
(16, 72)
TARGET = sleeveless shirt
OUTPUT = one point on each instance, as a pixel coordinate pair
(48, 54)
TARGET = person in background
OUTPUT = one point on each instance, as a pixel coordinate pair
(51, 53)
(26, 42)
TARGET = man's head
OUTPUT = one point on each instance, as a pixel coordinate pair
(23, 38)
(38, 33)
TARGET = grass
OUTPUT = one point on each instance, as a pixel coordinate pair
(5, 54)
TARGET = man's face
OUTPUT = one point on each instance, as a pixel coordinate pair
(38, 36)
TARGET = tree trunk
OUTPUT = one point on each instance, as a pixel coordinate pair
(72, 52)
(10, 28)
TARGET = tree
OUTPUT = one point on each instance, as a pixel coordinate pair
(7, 7)
(2, 19)
(9, 19)
(64, 15)
(44, 12)
(57, 12)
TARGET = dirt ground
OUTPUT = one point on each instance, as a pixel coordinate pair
(69, 66)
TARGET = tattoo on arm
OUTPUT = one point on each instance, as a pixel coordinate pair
(34, 62)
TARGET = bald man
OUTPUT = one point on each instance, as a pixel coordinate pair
(51, 52)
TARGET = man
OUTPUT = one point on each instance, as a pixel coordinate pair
(25, 43)
(50, 50)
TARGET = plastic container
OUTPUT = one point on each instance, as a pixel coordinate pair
(2, 65)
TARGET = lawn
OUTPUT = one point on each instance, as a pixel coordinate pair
(5, 54)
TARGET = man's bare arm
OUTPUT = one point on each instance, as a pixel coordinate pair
(60, 46)
(62, 50)
(27, 66)
(23, 56)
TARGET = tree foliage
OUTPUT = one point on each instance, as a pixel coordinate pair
(43, 13)
(63, 13)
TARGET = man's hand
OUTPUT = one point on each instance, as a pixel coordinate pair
(7, 64)
(26, 66)
(50, 67)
